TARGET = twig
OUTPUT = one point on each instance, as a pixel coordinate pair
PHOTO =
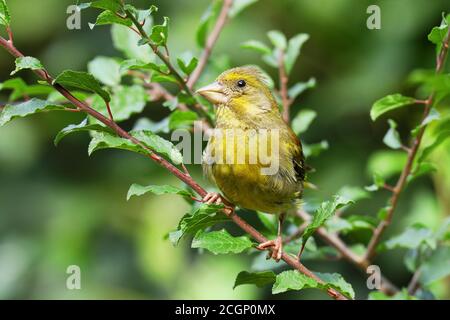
(414, 283)
(42, 73)
(286, 102)
(409, 163)
(210, 42)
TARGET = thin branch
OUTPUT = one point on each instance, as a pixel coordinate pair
(414, 283)
(42, 73)
(284, 79)
(210, 42)
(361, 263)
(409, 163)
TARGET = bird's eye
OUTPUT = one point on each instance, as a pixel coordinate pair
(241, 83)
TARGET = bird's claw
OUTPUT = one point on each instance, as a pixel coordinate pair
(277, 248)
(212, 198)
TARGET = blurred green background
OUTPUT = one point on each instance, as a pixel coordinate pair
(59, 207)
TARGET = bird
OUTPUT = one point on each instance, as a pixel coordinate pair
(244, 104)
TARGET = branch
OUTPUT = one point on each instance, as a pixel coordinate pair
(43, 74)
(284, 79)
(412, 152)
(210, 42)
(360, 262)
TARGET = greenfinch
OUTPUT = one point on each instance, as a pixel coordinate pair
(245, 105)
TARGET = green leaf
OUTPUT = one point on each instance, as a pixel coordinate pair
(411, 238)
(32, 106)
(420, 169)
(182, 119)
(426, 151)
(83, 81)
(438, 34)
(378, 182)
(126, 41)
(83, 126)
(103, 140)
(205, 216)
(207, 19)
(160, 33)
(112, 5)
(156, 77)
(106, 70)
(5, 17)
(388, 103)
(292, 280)
(27, 63)
(336, 281)
(138, 190)
(278, 39)
(432, 116)
(300, 87)
(401, 295)
(293, 50)
(20, 89)
(221, 242)
(322, 214)
(436, 267)
(187, 67)
(315, 149)
(125, 101)
(302, 120)
(392, 137)
(259, 279)
(238, 6)
(257, 46)
(109, 17)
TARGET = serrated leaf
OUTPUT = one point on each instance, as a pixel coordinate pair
(257, 46)
(160, 33)
(238, 6)
(83, 81)
(32, 106)
(125, 101)
(187, 66)
(392, 137)
(300, 87)
(411, 238)
(389, 103)
(278, 39)
(5, 17)
(259, 279)
(221, 242)
(108, 17)
(292, 280)
(336, 281)
(106, 70)
(293, 50)
(438, 34)
(182, 119)
(302, 120)
(139, 190)
(83, 126)
(103, 140)
(203, 217)
(27, 63)
(322, 214)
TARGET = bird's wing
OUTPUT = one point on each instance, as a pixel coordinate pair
(298, 158)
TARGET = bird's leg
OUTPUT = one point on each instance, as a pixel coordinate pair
(212, 198)
(277, 244)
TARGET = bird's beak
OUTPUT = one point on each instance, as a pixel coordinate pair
(214, 93)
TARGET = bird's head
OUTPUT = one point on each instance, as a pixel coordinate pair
(245, 89)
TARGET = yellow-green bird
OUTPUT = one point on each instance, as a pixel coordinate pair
(245, 105)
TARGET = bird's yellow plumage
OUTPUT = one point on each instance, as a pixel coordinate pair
(246, 106)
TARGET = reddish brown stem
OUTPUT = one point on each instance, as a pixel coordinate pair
(412, 152)
(286, 102)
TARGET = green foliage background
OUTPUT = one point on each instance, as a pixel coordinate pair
(60, 207)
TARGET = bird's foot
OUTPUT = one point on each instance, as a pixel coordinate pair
(277, 248)
(212, 198)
